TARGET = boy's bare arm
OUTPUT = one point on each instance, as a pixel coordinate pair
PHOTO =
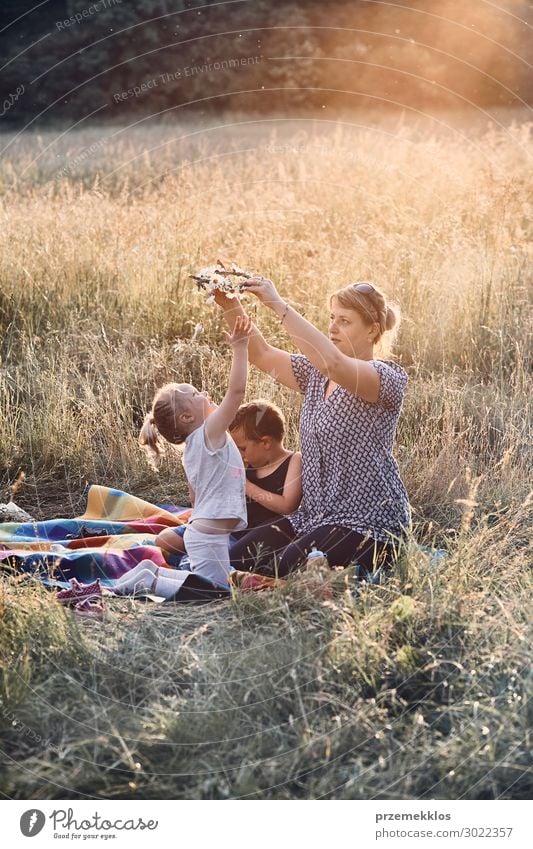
(290, 499)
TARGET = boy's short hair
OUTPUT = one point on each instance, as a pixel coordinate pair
(260, 418)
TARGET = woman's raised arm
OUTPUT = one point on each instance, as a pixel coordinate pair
(357, 376)
(267, 358)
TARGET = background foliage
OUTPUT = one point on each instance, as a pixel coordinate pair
(345, 55)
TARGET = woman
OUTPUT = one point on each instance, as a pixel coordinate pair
(355, 506)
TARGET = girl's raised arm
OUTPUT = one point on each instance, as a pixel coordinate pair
(218, 422)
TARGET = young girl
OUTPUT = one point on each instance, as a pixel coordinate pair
(214, 471)
(273, 473)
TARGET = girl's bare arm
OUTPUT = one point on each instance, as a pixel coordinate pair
(218, 422)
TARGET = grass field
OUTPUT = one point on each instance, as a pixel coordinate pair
(419, 688)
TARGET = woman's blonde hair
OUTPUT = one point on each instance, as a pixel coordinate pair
(161, 425)
(372, 306)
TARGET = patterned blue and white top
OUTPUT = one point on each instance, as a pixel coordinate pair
(349, 475)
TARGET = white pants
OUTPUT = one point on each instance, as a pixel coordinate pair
(208, 554)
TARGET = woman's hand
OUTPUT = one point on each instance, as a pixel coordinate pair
(264, 290)
(242, 330)
(223, 301)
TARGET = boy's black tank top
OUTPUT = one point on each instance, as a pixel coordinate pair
(259, 514)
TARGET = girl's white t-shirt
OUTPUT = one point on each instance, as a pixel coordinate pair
(217, 478)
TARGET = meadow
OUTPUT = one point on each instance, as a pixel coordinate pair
(416, 688)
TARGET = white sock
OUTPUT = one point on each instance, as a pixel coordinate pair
(141, 579)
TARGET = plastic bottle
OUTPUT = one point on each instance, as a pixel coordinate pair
(316, 560)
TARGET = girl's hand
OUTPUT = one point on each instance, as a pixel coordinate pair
(241, 333)
(265, 290)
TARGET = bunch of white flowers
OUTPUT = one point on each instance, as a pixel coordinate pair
(224, 277)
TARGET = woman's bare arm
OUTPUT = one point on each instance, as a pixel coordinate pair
(267, 358)
(357, 376)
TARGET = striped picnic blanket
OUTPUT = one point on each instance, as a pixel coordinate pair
(116, 531)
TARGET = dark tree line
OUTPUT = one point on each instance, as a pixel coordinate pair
(73, 60)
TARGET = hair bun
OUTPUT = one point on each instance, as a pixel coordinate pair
(391, 317)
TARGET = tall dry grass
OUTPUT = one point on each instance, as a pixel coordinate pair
(414, 689)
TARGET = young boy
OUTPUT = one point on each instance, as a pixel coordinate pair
(273, 473)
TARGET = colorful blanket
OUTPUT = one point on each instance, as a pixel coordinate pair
(115, 533)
